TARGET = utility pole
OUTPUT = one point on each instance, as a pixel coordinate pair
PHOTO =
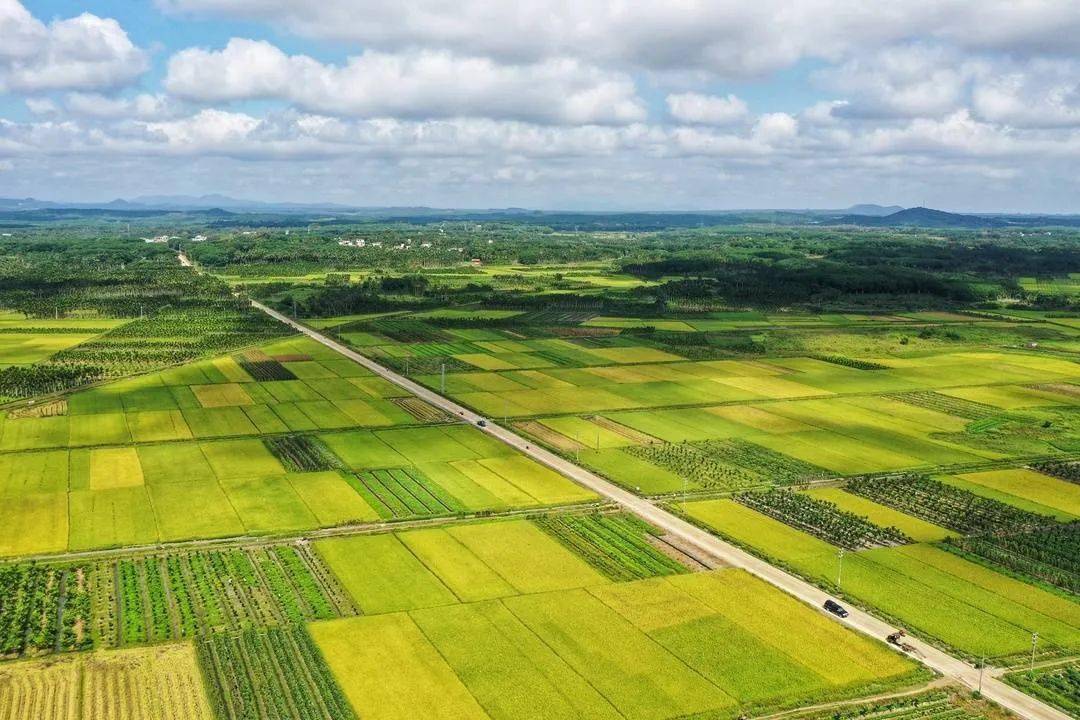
(982, 666)
(1034, 642)
(840, 567)
(442, 379)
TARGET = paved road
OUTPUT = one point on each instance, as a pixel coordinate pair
(858, 620)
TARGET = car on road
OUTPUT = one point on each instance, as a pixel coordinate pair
(836, 608)
(481, 423)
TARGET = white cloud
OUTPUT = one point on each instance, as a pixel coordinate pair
(82, 52)
(775, 128)
(720, 36)
(779, 160)
(958, 134)
(912, 80)
(1041, 94)
(701, 109)
(414, 84)
(480, 100)
(143, 106)
(42, 106)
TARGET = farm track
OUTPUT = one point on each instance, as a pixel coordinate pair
(251, 541)
(933, 684)
(857, 619)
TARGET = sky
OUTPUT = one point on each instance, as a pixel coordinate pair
(965, 105)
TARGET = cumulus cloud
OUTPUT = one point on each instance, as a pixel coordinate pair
(701, 109)
(958, 134)
(775, 128)
(729, 38)
(592, 101)
(413, 84)
(1042, 94)
(84, 52)
(913, 80)
(144, 106)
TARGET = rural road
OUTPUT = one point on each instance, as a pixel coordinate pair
(861, 621)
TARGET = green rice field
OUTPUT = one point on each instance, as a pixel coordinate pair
(186, 454)
(499, 620)
(969, 607)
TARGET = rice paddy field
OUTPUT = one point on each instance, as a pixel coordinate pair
(24, 341)
(962, 603)
(655, 405)
(282, 438)
(278, 533)
(503, 620)
(581, 615)
(158, 683)
(651, 404)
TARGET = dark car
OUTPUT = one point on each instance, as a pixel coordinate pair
(481, 423)
(836, 608)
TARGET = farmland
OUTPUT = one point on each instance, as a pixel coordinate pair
(159, 683)
(127, 462)
(644, 407)
(570, 651)
(236, 522)
(964, 604)
(1058, 685)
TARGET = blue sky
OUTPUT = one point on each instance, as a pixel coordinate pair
(574, 104)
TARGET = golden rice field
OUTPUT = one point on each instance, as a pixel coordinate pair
(156, 683)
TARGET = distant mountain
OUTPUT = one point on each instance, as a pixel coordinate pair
(873, 210)
(224, 211)
(205, 202)
(24, 204)
(926, 218)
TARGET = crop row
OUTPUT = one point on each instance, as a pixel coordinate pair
(696, 465)
(182, 595)
(409, 331)
(822, 519)
(43, 609)
(270, 674)
(772, 466)
(1058, 686)
(1065, 470)
(422, 411)
(854, 363)
(302, 453)
(192, 329)
(425, 365)
(616, 545)
(949, 405)
(945, 505)
(931, 705)
(1051, 554)
(403, 492)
